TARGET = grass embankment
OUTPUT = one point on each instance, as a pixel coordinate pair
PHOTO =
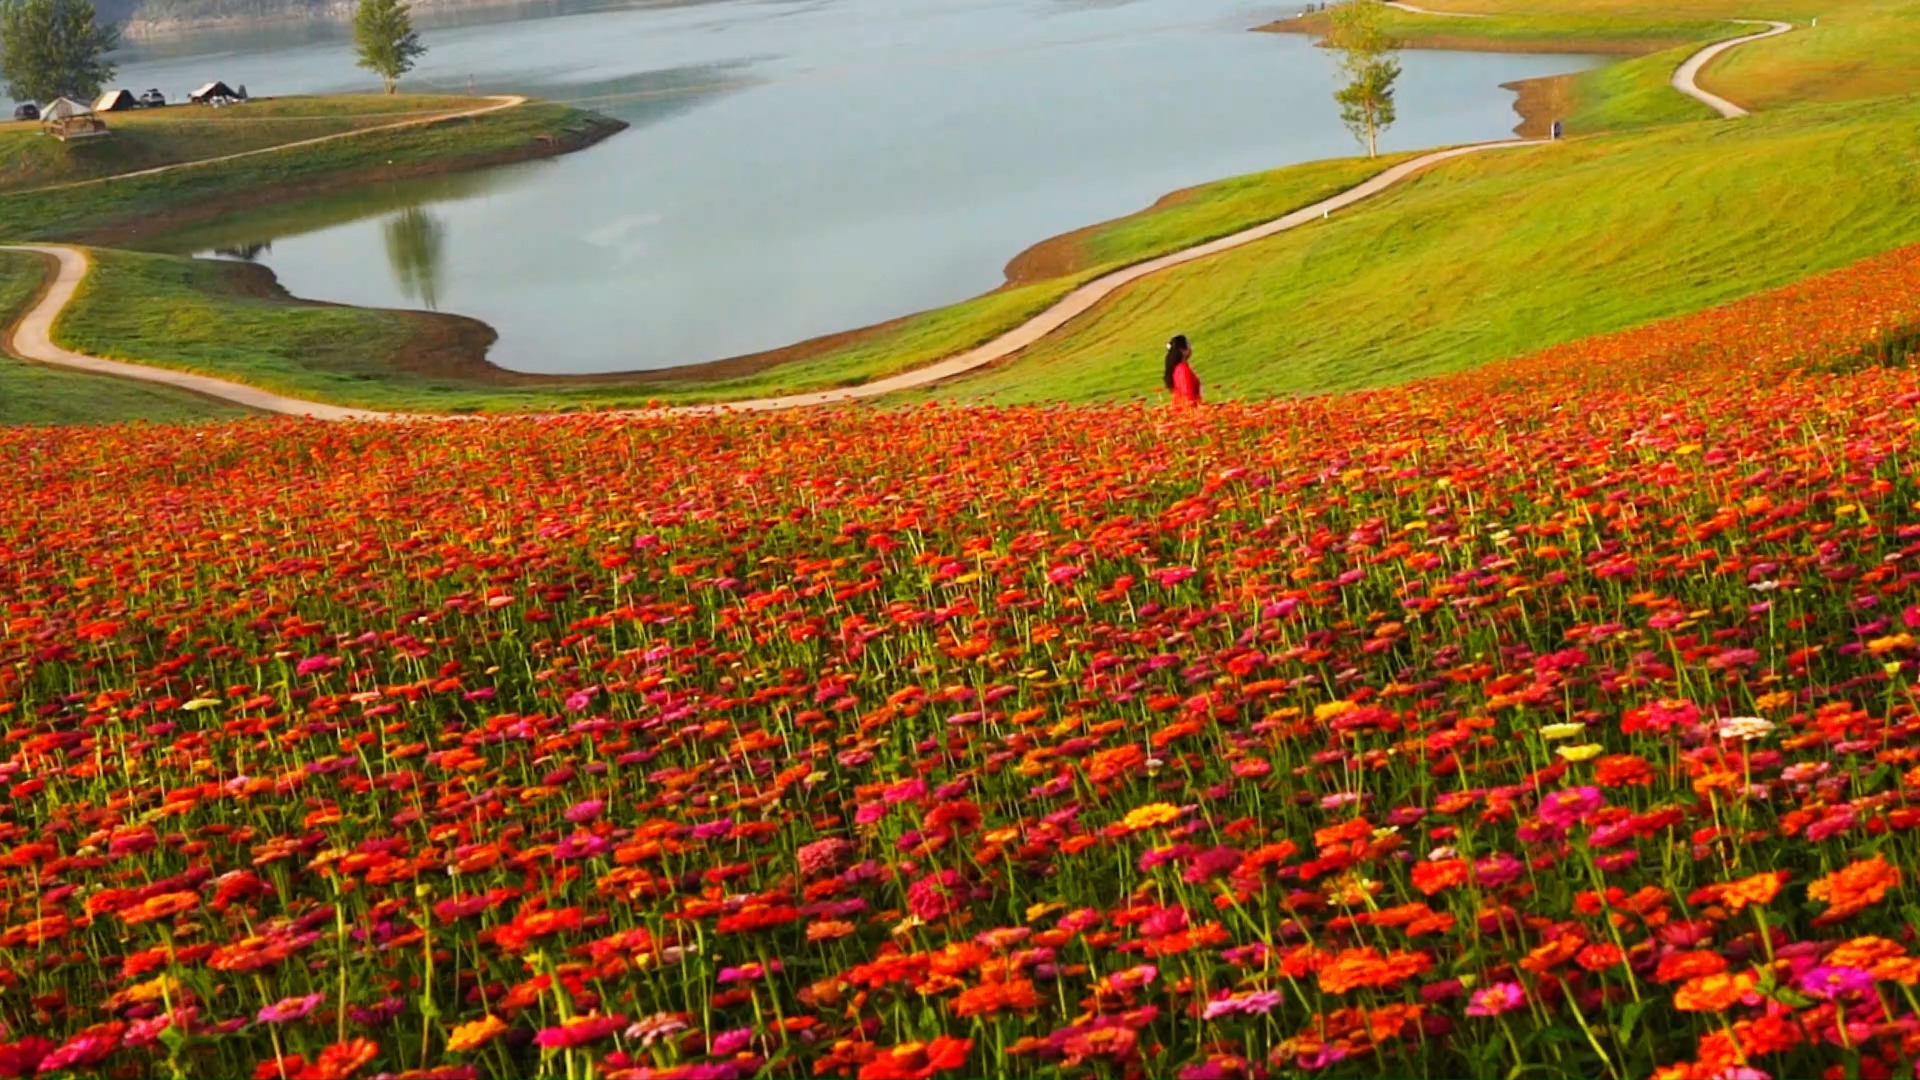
(34, 394)
(1858, 49)
(150, 138)
(227, 320)
(1504, 254)
(139, 206)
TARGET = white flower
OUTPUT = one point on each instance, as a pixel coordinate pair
(1745, 728)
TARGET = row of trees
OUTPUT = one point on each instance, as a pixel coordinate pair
(59, 48)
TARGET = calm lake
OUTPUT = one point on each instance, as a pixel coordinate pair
(797, 167)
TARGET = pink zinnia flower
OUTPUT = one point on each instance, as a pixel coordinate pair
(1496, 999)
(579, 1031)
(823, 856)
(1569, 805)
(287, 1010)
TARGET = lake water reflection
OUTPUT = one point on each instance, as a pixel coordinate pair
(798, 167)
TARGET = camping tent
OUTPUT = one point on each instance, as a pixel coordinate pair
(211, 92)
(65, 118)
(64, 109)
(115, 101)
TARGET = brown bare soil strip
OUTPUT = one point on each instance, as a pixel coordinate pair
(1539, 101)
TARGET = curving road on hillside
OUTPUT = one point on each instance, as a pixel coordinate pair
(1686, 76)
(32, 338)
(1411, 9)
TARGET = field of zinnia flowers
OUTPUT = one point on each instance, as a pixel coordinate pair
(1552, 720)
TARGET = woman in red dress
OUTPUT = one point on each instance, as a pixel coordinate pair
(1180, 378)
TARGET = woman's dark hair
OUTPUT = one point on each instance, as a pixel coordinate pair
(1177, 350)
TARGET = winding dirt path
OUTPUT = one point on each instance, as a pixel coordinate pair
(1686, 76)
(1412, 10)
(33, 338)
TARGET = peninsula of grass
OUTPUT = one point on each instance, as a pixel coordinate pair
(128, 208)
(36, 394)
(150, 138)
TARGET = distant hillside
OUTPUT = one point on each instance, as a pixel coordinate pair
(142, 18)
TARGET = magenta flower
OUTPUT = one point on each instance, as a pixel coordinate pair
(578, 1032)
(1253, 1003)
(582, 812)
(581, 845)
(1496, 999)
(1567, 806)
(1830, 982)
(713, 830)
(728, 1043)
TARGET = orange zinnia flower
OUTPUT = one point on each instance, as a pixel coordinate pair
(1433, 877)
(476, 1034)
(1853, 888)
(1713, 993)
(154, 908)
(1758, 889)
(1355, 968)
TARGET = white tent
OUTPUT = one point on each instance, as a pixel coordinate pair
(64, 109)
(214, 89)
(115, 101)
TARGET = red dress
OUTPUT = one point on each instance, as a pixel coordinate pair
(1186, 385)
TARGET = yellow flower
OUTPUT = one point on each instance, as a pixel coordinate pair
(1333, 710)
(1882, 645)
(476, 1034)
(1561, 731)
(1146, 817)
(1583, 752)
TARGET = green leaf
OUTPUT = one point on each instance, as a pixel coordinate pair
(1630, 1017)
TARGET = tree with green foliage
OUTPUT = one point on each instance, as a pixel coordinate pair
(383, 32)
(54, 48)
(1368, 68)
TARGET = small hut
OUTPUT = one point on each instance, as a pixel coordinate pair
(115, 101)
(66, 119)
(215, 91)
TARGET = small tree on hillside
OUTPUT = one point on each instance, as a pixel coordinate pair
(1368, 68)
(54, 48)
(383, 32)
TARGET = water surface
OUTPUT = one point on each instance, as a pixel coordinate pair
(798, 167)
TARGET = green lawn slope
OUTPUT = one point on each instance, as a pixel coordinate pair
(1504, 253)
